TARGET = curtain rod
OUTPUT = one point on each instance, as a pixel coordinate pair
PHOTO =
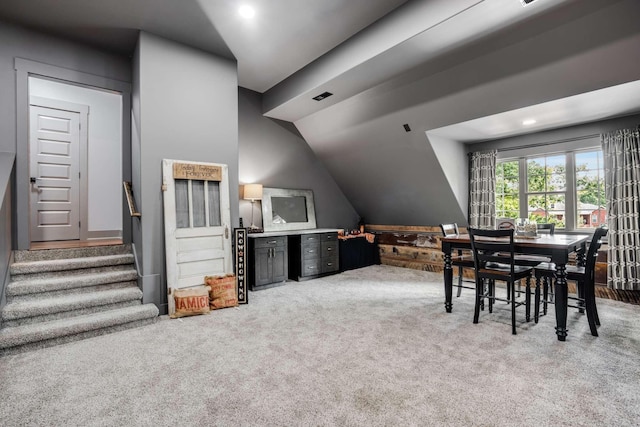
(542, 144)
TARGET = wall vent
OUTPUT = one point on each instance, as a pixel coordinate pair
(406, 127)
(322, 96)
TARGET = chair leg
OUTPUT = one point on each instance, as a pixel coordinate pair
(479, 291)
(545, 294)
(513, 307)
(536, 309)
(527, 298)
(459, 282)
(581, 297)
(492, 292)
(589, 299)
(508, 293)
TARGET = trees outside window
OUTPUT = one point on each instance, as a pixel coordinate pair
(590, 189)
(566, 189)
(546, 189)
(507, 189)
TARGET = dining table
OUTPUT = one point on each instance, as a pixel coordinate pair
(556, 247)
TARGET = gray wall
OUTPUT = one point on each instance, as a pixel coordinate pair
(390, 176)
(6, 173)
(185, 108)
(18, 42)
(23, 43)
(570, 138)
(273, 153)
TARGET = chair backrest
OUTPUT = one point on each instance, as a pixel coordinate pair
(492, 246)
(592, 252)
(505, 224)
(450, 229)
(550, 226)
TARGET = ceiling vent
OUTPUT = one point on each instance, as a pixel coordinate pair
(406, 127)
(322, 96)
(526, 2)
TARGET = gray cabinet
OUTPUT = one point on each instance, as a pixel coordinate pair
(313, 255)
(269, 261)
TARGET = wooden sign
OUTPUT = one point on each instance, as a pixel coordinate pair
(197, 172)
(240, 242)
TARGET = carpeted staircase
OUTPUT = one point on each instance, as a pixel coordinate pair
(61, 295)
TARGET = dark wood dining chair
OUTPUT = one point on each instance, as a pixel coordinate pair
(534, 260)
(584, 276)
(460, 260)
(494, 259)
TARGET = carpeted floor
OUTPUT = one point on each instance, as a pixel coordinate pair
(367, 347)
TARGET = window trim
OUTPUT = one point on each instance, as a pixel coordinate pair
(571, 208)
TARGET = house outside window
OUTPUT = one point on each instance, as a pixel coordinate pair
(566, 189)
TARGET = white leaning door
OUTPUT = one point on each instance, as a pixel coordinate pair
(54, 157)
(197, 222)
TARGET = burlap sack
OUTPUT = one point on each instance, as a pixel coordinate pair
(191, 301)
(222, 291)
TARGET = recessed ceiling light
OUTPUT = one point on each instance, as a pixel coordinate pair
(322, 96)
(529, 122)
(246, 11)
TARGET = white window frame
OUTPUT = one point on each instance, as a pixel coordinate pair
(570, 190)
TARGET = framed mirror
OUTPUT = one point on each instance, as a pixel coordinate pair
(284, 209)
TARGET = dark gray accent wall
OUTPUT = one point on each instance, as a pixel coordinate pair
(273, 153)
(187, 102)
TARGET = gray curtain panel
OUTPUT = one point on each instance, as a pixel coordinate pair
(621, 150)
(482, 190)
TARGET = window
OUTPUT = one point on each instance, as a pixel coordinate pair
(546, 189)
(566, 189)
(590, 189)
(507, 189)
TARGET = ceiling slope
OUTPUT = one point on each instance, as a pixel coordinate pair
(417, 33)
(392, 176)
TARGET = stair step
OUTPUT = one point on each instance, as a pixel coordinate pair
(52, 286)
(32, 267)
(46, 309)
(28, 337)
(50, 254)
(69, 273)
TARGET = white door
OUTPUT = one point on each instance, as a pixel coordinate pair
(54, 166)
(197, 222)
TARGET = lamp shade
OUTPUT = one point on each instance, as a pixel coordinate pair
(253, 192)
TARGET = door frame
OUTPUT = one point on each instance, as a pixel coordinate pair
(25, 68)
(83, 193)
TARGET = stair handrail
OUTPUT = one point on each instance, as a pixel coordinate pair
(131, 201)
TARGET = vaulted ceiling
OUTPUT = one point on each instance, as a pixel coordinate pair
(453, 70)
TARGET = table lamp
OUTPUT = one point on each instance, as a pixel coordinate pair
(253, 192)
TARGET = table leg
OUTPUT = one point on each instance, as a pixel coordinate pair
(561, 301)
(448, 282)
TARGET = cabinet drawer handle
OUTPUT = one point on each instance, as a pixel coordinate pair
(329, 264)
(329, 249)
(272, 242)
(311, 251)
(310, 268)
(311, 238)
